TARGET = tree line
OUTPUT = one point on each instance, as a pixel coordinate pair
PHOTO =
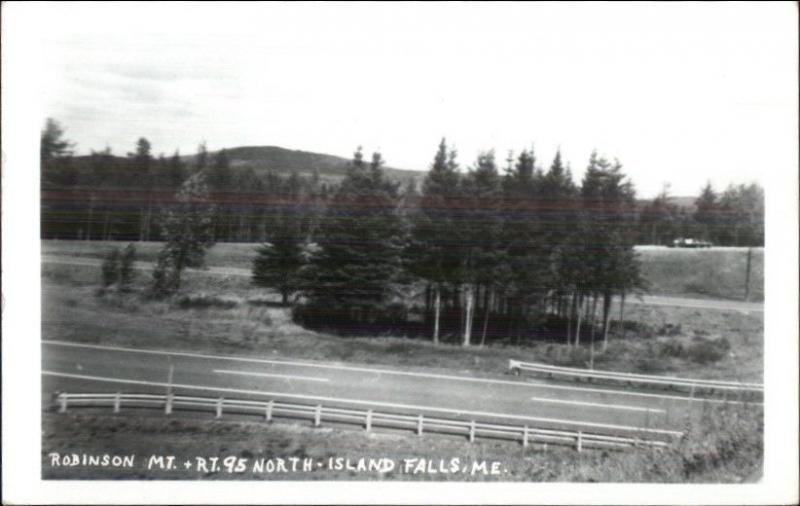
(106, 197)
(477, 252)
(733, 217)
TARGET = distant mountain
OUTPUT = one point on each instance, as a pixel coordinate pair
(262, 159)
(685, 202)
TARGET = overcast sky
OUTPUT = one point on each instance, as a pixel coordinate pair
(679, 93)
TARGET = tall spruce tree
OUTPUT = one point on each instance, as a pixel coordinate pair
(359, 246)
(706, 214)
(278, 262)
(433, 251)
(523, 272)
(560, 220)
(481, 254)
(610, 264)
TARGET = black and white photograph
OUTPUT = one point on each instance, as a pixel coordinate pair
(400, 252)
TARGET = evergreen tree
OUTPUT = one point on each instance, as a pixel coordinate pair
(126, 267)
(706, 214)
(221, 187)
(481, 254)
(360, 243)
(53, 145)
(58, 175)
(609, 263)
(659, 220)
(433, 253)
(560, 216)
(523, 271)
(143, 174)
(110, 268)
(201, 159)
(278, 262)
(175, 171)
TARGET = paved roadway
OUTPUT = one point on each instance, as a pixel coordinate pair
(651, 300)
(75, 367)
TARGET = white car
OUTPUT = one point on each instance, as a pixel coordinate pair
(690, 243)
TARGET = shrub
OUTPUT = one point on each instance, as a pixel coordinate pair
(166, 278)
(126, 272)
(203, 301)
(651, 365)
(672, 349)
(706, 351)
(110, 268)
(669, 329)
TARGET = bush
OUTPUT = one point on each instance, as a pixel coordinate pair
(567, 356)
(669, 329)
(110, 268)
(672, 349)
(126, 272)
(204, 301)
(166, 278)
(706, 351)
(117, 269)
(651, 365)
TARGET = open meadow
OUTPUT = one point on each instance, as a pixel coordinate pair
(714, 273)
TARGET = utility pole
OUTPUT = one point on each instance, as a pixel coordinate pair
(747, 275)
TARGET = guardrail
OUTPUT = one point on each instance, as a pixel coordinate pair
(368, 418)
(710, 386)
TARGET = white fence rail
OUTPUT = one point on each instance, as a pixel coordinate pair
(367, 418)
(711, 386)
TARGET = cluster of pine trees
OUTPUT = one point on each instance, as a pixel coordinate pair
(479, 250)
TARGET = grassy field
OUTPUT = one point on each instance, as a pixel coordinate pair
(717, 273)
(729, 452)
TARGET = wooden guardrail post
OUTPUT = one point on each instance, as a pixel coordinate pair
(525, 436)
(117, 401)
(62, 399)
(368, 421)
(472, 431)
(318, 415)
(580, 441)
(168, 404)
(268, 411)
(419, 425)
(219, 407)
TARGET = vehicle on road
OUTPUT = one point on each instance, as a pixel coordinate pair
(684, 242)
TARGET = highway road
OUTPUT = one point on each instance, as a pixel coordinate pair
(653, 300)
(74, 368)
